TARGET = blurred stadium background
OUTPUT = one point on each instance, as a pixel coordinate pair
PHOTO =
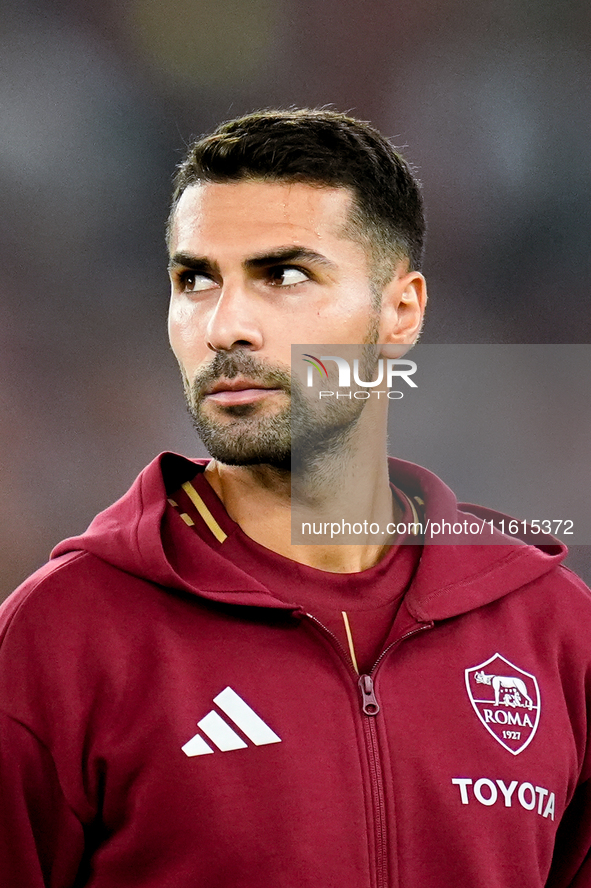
(490, 100)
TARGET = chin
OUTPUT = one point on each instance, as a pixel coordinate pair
(264, 460)
(234, 448)
(245, 453)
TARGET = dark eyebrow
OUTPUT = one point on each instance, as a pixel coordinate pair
(281, 256)
(285, 255)
(196, 263)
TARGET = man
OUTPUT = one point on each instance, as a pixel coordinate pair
(190, 699)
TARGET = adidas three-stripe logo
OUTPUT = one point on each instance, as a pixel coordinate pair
(222, 735)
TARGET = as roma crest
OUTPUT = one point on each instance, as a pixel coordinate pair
(506, 699)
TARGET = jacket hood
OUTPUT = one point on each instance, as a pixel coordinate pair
(462, 571)
(454, 574)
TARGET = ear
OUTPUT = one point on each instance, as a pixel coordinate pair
(403, 308)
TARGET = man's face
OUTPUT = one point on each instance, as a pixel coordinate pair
(256, 266)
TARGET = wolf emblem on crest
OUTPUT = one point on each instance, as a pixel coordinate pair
(507, 701)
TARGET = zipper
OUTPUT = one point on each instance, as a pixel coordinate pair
(377, 793)
(414, 631)
(369, 704)
(370, 708)
(345, 654)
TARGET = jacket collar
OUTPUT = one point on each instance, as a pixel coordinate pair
(454, 575)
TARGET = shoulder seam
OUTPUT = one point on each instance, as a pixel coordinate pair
(36, 587)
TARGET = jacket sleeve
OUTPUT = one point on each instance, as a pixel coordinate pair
(41, 839)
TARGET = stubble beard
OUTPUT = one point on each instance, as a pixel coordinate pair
(296, 437)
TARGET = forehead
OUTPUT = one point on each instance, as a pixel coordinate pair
(252, 215)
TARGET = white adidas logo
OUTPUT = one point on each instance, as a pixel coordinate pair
(220, 732)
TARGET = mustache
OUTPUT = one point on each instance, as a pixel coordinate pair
(229, 365)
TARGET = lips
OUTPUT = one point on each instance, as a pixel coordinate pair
(238, 391)
(234, 385)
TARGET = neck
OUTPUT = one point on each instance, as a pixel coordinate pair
(347, 489)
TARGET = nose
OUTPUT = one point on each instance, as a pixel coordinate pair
(234, 322)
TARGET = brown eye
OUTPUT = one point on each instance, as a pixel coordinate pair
(288, 276)
(193, 283)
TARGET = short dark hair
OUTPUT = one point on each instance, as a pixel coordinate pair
(320, 147)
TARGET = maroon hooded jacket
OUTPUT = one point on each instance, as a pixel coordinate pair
(167, 723)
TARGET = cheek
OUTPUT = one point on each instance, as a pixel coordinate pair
(346, 323)
(349, 309)
(185, 331)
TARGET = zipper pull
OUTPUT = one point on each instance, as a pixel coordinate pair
(368, 698)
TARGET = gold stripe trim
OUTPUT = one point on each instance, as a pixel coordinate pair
(187, 519)
(415, 514)
(204, 512)
(350, 640)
